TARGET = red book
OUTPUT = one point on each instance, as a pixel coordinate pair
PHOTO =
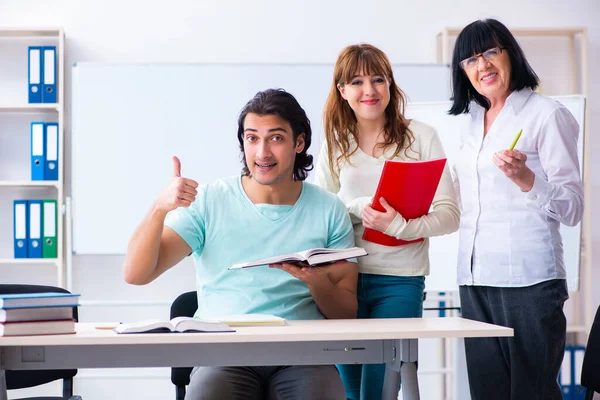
(409, 187)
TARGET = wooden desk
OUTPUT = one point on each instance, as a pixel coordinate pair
(390, 341)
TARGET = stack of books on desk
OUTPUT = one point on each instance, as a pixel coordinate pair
(37, 313)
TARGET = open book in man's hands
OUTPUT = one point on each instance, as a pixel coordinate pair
(311, 257)
(178, 324)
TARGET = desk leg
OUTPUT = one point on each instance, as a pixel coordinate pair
(3, 391)
(410, 384)
(404, 363)
(391, 382)
(409, 355)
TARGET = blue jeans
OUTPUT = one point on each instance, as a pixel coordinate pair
(381, 296)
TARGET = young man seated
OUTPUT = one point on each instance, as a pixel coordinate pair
(266, 211)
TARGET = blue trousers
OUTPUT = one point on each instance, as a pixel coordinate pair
(381, 296)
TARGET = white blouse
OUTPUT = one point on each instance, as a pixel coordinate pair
(509, 237)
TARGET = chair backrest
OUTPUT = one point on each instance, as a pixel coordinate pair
(185, 305)
(590, 375)
(30, 378)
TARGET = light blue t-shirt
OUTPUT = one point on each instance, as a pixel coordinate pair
(223, 227)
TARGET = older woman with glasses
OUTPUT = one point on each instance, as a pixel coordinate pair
(510, 267)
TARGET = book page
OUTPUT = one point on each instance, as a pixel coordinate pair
(336, 255)
(144, 326)
(291, 257)
(271, 260)
(340, 252)
(318, 250)
(177, 320)
(331, 254)
(186, 324)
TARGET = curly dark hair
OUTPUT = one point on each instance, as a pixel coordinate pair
(284, 105)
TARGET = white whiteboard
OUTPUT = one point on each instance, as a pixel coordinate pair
(129, 119)
(444, 249)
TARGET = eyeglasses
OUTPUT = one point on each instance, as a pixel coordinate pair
(487, 55)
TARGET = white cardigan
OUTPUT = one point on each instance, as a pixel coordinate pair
(355, 184)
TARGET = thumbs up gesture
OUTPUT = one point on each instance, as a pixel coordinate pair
(181, 192)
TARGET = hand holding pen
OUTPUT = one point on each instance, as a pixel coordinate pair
(512, 163)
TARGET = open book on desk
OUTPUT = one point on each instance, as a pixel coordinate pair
(311, 256)
(178, 324)
(409, 187)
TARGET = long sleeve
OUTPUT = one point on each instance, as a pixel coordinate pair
(559, 194)
(331, 182)
(323, 176)
(456, 183)
(445, 215)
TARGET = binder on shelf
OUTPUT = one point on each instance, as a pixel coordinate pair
(578, 391)
(49, 229)
(20, 228)
(51, 153)
(565, 377)
(34, 75)
(49, 74)
(35, 229)
(38, 153)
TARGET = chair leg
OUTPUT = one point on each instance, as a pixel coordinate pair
(67, 388)
(180, 392)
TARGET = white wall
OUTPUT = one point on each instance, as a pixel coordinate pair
(237, 31)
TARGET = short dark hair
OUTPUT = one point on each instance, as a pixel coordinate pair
(476, 38)
(283, 104)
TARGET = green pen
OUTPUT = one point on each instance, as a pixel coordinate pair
(514, 143)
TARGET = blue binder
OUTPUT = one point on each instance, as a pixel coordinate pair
(578, 391)
(34, 74)
(20, 228)
(34, 249)
(49, 74)
(38, 151)
(565, 377)
(51, 153)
